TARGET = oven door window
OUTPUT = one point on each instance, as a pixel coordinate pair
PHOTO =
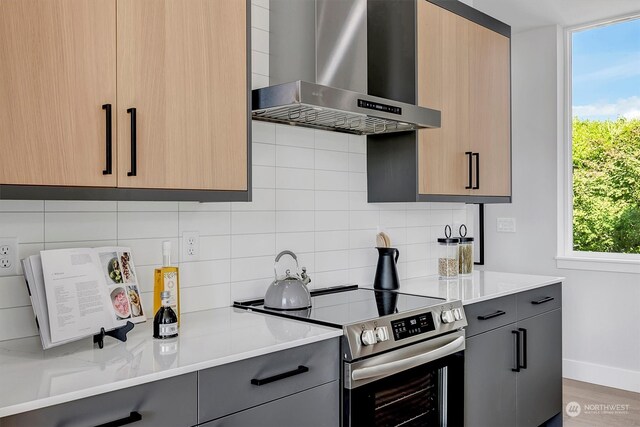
(427, 395)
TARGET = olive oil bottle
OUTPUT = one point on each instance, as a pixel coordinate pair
(167, 279)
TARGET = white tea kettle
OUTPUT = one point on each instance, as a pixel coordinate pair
(288, 292)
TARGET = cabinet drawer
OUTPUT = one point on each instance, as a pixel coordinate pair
(316, 407)
(230, 388)
(541, 300)
(170, 402)
(486, 315)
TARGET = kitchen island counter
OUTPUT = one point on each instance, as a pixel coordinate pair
(33, 378)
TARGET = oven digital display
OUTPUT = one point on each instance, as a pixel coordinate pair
(411, 326)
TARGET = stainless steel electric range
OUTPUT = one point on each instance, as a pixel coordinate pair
(403, 355)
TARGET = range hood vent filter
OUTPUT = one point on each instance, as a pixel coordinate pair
(321, 107)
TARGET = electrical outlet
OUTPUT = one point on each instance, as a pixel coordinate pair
(506, 225)
(190, 246)
(8, 256)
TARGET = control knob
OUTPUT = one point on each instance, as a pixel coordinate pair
(368, 337)
(457, 313)
(382, 333)
(447, 316)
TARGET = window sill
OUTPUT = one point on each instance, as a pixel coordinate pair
(598, 264)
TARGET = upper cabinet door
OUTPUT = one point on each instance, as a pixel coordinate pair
(57, 68)
(490, 101)
(182, 65)
(443, 84)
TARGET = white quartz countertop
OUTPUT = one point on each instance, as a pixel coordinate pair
(480, 286)
(32, 378)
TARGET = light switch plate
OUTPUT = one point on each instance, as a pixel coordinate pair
(8, 256)
(506, 225)
(190, 246)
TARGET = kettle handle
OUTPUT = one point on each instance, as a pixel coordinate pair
(291, 254)
(397, 254)
(287, 253)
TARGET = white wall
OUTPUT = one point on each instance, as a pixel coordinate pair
(309, 196)
(601, 311)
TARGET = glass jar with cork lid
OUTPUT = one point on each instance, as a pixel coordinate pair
(465, 252)
(448, 255)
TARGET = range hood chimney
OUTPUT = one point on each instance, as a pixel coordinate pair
(318, 72)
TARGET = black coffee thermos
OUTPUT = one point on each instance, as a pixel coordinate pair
(386, 271)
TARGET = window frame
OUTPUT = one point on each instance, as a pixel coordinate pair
(567, 257)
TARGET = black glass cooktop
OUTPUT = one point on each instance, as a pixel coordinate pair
(345, 305)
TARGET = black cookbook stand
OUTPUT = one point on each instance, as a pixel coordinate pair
(118, 333)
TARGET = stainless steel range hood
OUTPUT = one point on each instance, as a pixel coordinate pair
(318, 72)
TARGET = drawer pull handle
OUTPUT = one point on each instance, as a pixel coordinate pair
(492, 315)
(300, 370)
(133, 417)
(542, 301)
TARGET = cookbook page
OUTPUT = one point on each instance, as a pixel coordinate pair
(76, 294)
(116, 264)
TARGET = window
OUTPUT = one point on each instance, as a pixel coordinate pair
(602, 156)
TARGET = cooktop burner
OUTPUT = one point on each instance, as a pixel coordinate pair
(374, 321)
(345, 305)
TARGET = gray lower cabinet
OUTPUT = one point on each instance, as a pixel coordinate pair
(513, 369)
(490, 385)
(285, 386)
(540, 383)
(294, 387)
(316, 407)
(171, 402)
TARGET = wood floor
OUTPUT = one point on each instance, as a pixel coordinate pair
(593, 412)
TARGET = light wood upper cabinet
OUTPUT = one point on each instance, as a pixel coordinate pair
(182, 66)
(490, 101)
(463, 71)
(57, 69)
(443, 64)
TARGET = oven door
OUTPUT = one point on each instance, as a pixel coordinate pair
(421, 384)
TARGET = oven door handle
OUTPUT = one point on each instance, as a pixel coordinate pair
(396, 366)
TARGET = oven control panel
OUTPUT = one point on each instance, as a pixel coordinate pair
(411, 326)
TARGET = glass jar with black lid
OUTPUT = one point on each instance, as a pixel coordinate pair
(448, 264)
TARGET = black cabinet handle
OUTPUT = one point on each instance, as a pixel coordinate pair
(542, 301)
(477, 156)
(517, 368)
(133, 170)
(109, 160)
(133, 417)
(492, 315)
(300, 370)
(470, 185)
(524, 349)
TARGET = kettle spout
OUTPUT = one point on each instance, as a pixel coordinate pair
(305, 278)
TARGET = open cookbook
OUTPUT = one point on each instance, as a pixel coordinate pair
(76, 292)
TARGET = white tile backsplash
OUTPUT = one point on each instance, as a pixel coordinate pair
(75, 226)
(294, 136)
(331, 141)
(309, 196)
(299, 179)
